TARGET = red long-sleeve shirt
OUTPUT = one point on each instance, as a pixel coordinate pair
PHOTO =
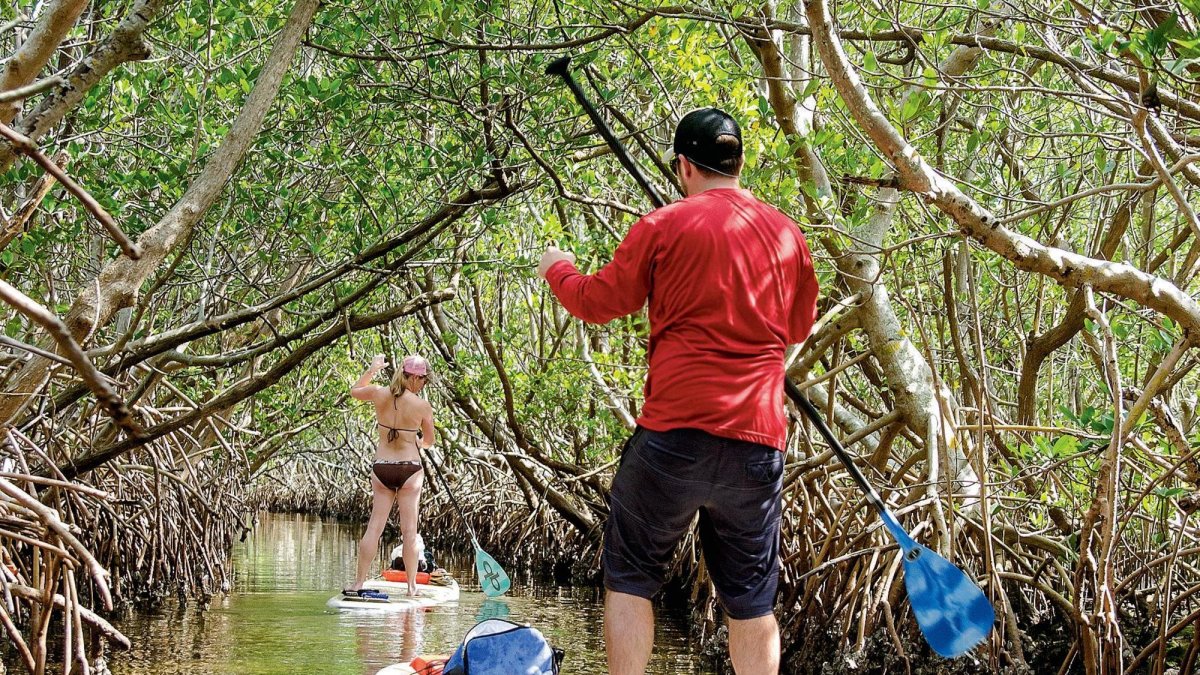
(730, 282)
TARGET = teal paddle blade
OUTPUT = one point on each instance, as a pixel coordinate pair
(953, 613)
(491, 575)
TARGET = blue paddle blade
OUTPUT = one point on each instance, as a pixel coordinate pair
(491, 575)
(953, 613)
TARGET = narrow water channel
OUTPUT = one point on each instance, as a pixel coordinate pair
(275, 620)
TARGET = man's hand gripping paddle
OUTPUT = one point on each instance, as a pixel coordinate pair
(951, 610)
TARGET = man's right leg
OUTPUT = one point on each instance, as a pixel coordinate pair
(739, 533)
(628, 633)
(653, 499)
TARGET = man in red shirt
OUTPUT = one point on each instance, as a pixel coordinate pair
(730, 284)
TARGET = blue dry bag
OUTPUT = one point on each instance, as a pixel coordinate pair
(499, 647)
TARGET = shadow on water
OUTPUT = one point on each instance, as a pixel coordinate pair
(276, 621)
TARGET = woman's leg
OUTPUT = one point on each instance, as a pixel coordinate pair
(368, 546)
(408, 500)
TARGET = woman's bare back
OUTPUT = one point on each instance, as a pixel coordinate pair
(400, 418)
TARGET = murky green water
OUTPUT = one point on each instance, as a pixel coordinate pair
(276, 621)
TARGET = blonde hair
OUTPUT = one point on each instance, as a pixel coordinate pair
(404, 381)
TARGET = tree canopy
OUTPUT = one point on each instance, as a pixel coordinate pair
(213, 214)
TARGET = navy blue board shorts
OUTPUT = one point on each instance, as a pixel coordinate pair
(665, 478)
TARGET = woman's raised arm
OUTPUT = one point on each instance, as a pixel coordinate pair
(363, 390)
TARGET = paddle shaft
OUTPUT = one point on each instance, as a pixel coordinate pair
(810, 411)
(494, 581)
(561, 67)
(453, 500)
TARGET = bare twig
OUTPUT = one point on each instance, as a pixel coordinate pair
(30, 89)
(27, 147)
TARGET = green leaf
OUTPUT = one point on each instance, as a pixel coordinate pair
(869, 61)
(1065, 445)
(1103, 425)
(1139, 49)
(1156, 40)
(929, 77)
(810, 89)
(973, 142)
(1169, 493)
(913, 105)
(1120, 329)
(1088, 414)
(1179, 67)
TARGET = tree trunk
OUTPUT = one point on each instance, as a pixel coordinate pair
(125, 44)
(1066, 267)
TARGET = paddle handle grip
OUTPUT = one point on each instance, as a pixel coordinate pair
(810, 411)
(562, 68)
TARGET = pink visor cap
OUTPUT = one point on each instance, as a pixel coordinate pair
(415, 365)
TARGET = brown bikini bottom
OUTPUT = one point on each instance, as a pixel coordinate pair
(394, 475)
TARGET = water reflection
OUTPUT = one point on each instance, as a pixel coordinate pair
(394, 637)
(276, 621)
(492, 609)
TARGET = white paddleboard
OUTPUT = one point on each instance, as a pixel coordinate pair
(404, 669)
(398, 600)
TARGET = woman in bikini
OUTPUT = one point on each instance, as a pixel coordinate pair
(405, 423)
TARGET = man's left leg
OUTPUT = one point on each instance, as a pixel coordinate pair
(754, 645)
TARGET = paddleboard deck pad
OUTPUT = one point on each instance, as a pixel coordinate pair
(355, 598)
(428, 595)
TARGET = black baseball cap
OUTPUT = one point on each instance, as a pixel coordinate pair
(696, 138)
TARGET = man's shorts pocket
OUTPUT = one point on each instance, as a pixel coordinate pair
(660, 451)
(765, 471)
